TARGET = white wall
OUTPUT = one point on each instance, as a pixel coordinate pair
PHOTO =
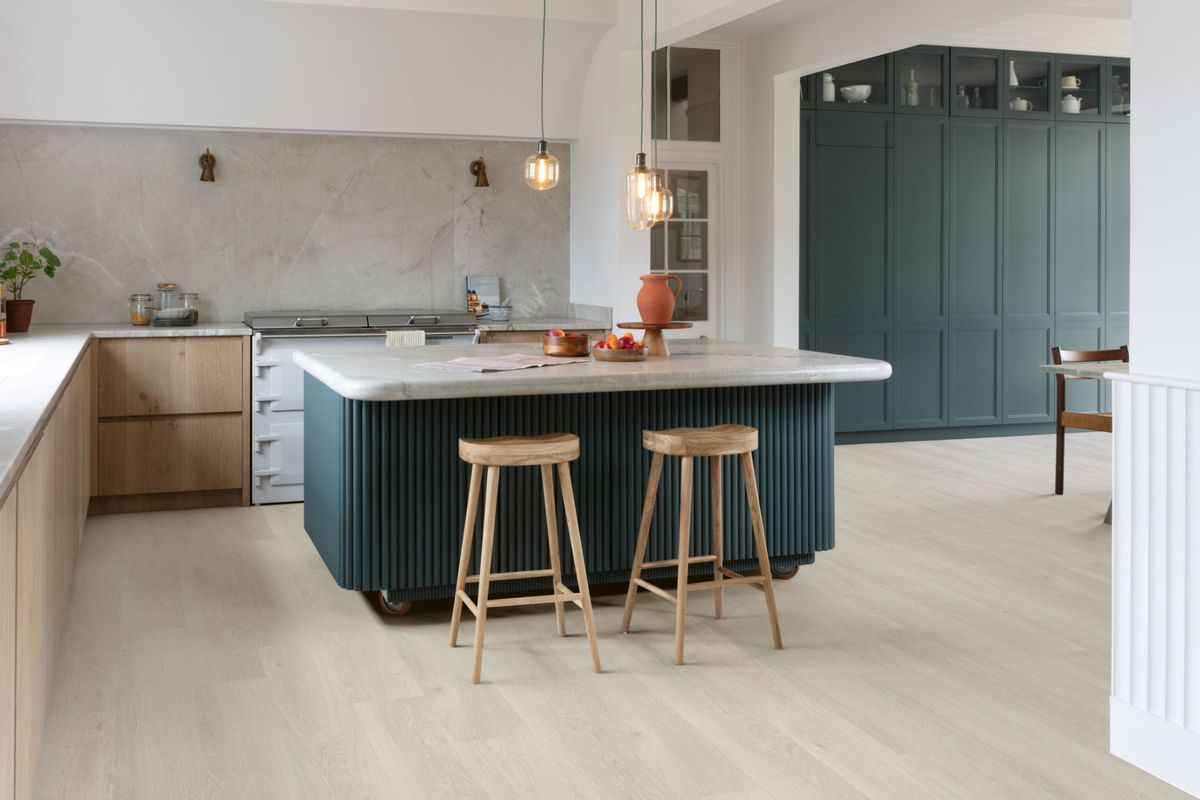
(289, 66)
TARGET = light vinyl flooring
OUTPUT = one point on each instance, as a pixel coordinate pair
(955, 644)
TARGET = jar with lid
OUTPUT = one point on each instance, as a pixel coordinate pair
(139, 308)
(191, 302)
(166, 295)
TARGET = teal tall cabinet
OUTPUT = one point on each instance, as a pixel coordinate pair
(962, 229)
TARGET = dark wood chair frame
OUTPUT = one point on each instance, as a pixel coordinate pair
(1086, 420)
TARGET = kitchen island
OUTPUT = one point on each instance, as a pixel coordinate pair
(385, 491)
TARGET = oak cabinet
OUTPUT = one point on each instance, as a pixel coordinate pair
(173, 423)
(8, 644)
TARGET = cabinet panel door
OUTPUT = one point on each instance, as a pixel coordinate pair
(859, 406)
(171, 454)
(974, 375)
(921, 158)
(1083, 395)
(1078, 249)
(808, 149)
(851, 220)
(8, 643)
(1028, 392)
(1028, 249)
(180, 375)
(1116, 216)
(919, 377)
(975, 218)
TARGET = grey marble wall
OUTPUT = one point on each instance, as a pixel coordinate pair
(292, 221)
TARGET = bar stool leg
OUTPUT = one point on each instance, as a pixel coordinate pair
(485, 566)
(760, 544)
(464, 558)
(718, 532)
(552, 534)
(585, 596)
(639, 552)
(685, 535)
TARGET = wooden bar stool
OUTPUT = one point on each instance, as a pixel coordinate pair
(710, 443)
(520, 451)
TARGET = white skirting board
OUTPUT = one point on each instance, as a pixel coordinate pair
(1155, 704)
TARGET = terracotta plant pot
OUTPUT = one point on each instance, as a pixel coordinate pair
(19, 313)
(656, 301)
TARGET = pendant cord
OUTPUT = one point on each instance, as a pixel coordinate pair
(543, 88)
(654, 91)
(642, 67)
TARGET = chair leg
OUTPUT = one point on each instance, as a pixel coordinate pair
(639, 550)
(718, 532)
(760, 544)
(585, 596)
(685, 535)
(552, 535)
(464, 558)
(1060, 441)
(485, 566)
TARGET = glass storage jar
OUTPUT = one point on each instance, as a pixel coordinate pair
(139, 308)
(191, 302)
(166, 295)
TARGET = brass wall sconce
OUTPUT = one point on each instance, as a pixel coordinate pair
(207, 162)
(479, 170)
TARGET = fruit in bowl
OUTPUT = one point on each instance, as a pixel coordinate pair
(619, 348)
(557, 342)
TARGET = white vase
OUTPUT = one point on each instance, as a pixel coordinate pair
(828, 91)
(1012, 74)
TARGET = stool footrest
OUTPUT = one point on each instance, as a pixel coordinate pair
(674, 562)
(658, 590)
(468, 602)
(532, 599)
(756, 581)
(513, 576)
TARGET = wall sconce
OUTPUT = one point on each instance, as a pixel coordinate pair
(479, 170)
(207, 162)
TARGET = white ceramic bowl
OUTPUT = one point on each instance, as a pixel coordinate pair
(858, 93)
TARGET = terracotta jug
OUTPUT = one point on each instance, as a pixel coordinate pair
(656, 301)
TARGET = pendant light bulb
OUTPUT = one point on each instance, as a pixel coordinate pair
(660, 203)
(639, 187)
(541, 169)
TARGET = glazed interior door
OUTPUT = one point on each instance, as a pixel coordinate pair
(689, 245)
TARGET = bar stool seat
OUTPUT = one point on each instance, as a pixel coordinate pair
(493, 454)
(691, 443)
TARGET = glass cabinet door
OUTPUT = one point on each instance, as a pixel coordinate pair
(975, 76)
(808, 85)
(862, 86)
(1079, 87)
(1119, 82)
(1029, 84)
(921, 80)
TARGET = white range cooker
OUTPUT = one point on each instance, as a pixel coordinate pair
(277, 384)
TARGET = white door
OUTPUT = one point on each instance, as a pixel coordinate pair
(688, 245)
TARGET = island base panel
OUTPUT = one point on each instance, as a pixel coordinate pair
(385, 492)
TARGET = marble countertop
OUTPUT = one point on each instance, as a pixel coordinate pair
(33, 373)
(393, 373)
(542, 324)
(1087, 369)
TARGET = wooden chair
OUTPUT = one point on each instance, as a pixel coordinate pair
(1086, 420)
(518, 451)
(710, 443)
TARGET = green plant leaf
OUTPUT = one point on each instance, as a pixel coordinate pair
(26, 258)
(51, 259)
(13, 245)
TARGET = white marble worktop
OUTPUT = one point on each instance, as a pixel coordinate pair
(34, 370)
(542, 324)
(392, 373)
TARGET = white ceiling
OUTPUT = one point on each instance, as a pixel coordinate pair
(602, 11)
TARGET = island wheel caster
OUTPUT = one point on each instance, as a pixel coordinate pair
(784, 574)
(390, 604)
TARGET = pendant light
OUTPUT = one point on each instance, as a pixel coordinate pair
(660, 203)
(640, 181)
(541, 168)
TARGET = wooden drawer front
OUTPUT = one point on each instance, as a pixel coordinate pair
(173, 454)
(507, 337)
(180, 375)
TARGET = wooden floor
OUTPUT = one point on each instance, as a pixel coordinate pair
(954, 645)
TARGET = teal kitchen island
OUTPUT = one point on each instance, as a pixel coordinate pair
(385, 492)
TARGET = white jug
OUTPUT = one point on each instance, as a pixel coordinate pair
(1070, 104)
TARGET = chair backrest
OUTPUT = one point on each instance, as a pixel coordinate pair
(1061, 356)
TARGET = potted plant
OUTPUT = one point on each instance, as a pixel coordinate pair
(21, 263)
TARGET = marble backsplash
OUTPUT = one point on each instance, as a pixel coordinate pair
(292, 221)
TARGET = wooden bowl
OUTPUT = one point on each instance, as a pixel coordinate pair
(569, 345)
(619, 355)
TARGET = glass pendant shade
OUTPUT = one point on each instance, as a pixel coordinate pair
(639, 184)
(660, 203)
(541, 169)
